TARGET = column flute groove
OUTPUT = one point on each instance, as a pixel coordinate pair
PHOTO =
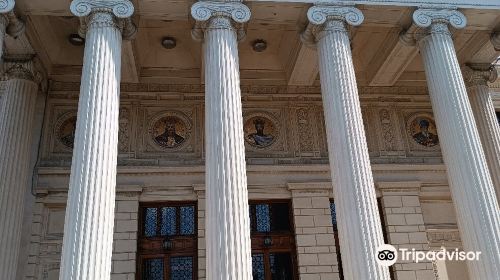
(16, 132)
(471, 186)
(360, 231)
(476, 79)
(89, 221)
(227, 218)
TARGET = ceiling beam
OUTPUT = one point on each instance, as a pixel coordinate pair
(130, 72)
(392, 60)
(302, 67)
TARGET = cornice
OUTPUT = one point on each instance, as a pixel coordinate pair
(245, 89)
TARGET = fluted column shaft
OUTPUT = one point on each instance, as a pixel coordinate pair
(89, 222)
(16, 130)
(227, 217)
(486, 120)
(360, 231)
(470, 182)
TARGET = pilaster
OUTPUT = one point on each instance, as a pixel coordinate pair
(199, 190)
(316, 251)
(405, 226)
(471, 185)
(360, 231)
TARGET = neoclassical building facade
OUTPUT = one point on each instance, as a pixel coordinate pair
(284, 140)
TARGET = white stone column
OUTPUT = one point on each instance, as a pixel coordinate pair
(469, 178)
(227, 217)
(360, 230)
(16, 129)
(476, 80)
(88, 230)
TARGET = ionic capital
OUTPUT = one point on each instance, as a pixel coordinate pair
(219, 15)
(437, 21)
(6, 6)
(324, 19)
(20, 67)
(479, 74)
(104, 13)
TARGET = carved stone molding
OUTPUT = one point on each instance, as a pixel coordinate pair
(329, 18)
(21, 68)
(219, 15)
(105, 13)
(479, 74)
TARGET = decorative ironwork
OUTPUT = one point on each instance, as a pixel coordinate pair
(334, 215)
(181, 268)
(258, 271)
(153, 269)
(187, 220)
(168, 221)
(150, 222)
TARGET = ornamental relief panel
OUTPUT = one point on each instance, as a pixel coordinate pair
(389, 137)
(171, 132)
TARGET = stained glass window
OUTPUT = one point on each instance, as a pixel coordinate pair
(263, 217)
(334, 215)
(187, 220)
(153, 269)
(281, 266)
(168, 221)
(258, 267)
(270, 217)
(181, 268)
(150, 222)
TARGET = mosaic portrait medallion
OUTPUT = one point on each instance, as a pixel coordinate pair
(259, 131)
(423, 131)
(66, 132)
(169, 131)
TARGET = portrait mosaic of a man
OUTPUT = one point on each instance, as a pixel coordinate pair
(259, 131)
(423, 131)
(66, 132)
(169, 132)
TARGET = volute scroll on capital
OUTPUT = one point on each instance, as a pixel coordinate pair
(105, 13)
(6, 6)
(330, 18)
(437, 21)
(219, 15)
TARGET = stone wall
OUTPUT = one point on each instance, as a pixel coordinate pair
(316, 251)
(405, 227)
